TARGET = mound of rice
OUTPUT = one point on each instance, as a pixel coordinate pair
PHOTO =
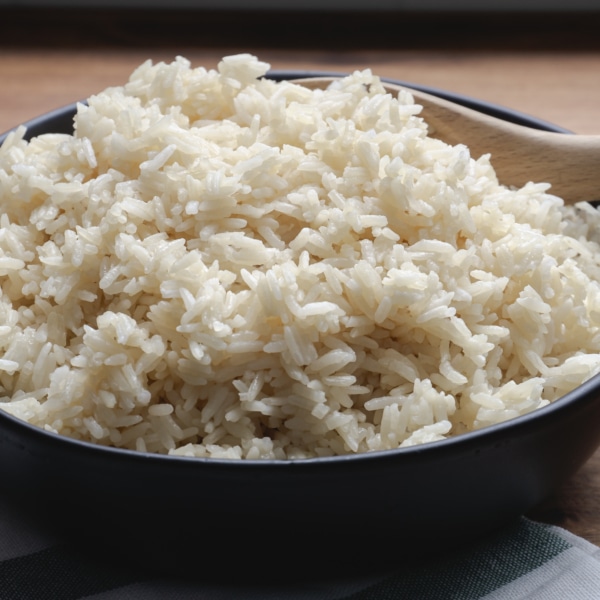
(219, 265)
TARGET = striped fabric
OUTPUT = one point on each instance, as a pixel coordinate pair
(528, 561)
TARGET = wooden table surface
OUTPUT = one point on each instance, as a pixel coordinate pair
(547, 66)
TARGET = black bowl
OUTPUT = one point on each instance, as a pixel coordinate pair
(305, 516)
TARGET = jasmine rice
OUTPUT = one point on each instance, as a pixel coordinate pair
(216, 264)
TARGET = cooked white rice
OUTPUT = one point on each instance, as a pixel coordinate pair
(219, 265)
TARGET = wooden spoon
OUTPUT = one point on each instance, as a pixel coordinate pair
(519, 154)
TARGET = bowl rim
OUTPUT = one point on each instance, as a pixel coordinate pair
(464, 442)
(517, 425)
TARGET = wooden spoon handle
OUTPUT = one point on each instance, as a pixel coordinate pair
(519, 154)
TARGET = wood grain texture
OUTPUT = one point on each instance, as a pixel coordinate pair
(545, 66)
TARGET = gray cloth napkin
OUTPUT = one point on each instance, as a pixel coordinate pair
(527, 560)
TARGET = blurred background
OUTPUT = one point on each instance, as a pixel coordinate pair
(541, 57)
(342, 5)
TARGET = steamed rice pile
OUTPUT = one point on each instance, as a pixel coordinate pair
(219, 265)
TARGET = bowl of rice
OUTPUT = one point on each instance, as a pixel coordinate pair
(241, 316)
